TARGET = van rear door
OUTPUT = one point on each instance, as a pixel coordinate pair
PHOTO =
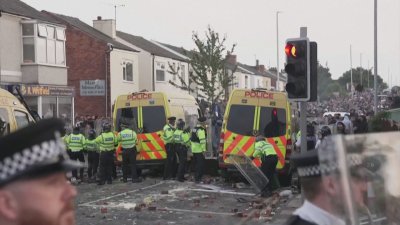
(240, 125)
(126, 111)
(153, 113)
(273, 123)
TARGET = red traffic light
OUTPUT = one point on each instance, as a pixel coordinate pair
(291, 50)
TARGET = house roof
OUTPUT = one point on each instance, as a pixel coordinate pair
(75, 22)
(17, 7)
(149, 46)
(180, 50)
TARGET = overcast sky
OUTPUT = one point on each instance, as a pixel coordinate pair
(251, 24)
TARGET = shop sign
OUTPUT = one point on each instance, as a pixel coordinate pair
(44, 90)
(92, 87)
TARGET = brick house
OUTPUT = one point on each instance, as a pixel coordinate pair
(99, 67)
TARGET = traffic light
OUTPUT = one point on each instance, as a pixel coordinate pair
(298, 69)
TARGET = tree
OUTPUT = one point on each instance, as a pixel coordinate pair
(363, 77)
(327, 86)
(210, 74)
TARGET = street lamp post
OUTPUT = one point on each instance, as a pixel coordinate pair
(375, 56)
(277, 50)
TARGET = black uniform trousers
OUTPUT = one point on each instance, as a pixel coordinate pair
(199, 166)
(297, 220)
(129, 163)
(170, 163)
(268, 167)
(78, 155)
(181, 151)
(93, 164)
(106, 166)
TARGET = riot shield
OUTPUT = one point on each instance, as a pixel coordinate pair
(363, 171)
(249, 170)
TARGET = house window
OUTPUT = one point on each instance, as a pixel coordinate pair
(246, 81)
(127, 71)
(44, 44)
(183, 72)
(160, 71)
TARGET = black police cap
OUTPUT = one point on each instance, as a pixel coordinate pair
(202, 119)
(171, 118)
(34, 151)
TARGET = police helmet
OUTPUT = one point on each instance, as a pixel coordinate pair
(76, 130)
(260, 138)
(124, 125)
(92, 133)
(106, 127)
(325, 131)
(180, 124)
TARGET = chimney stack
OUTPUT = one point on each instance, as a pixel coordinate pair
(231, 59)
(105, 26)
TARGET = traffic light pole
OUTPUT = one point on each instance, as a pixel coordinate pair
(303, 110)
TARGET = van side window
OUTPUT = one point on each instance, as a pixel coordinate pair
(4, 118)
(22, 119)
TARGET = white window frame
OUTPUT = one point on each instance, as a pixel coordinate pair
(159, 67)
(43, 35)
(124, 74)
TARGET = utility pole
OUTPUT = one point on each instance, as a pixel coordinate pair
(368, 73)
(361, 70)
(375, 56)
(351, 73)
(303, 111)
(277, 50)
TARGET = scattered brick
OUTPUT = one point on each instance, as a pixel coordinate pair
(152, 208)
(103, 210)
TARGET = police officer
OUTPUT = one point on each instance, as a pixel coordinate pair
(33, 185)
(181, 143)
(107, 142)
(128, 139)
(76, 144)
(266, 152)
(93, 155)
(168, 134)
(199, 146)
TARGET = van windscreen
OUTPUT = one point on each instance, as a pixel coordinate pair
(272, 122)
(153, 118)
(127, 116)
(241, 119)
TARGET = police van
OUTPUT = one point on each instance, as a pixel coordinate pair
(147, 113)
(252, 112)
(13, 114)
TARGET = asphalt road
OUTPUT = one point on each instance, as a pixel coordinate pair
(170, 202)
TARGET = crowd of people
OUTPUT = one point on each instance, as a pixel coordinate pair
(361, 102)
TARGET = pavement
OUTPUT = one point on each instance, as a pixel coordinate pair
(159, 202)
